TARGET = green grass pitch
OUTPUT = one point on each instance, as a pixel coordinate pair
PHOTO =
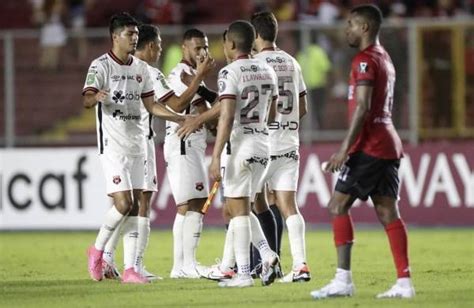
(48, 269)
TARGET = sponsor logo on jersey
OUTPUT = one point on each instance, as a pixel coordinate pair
(363, 67)
(252, 68)
(275, 60)
(116, 78)
(119, 96)
(162, 80)
(119, 115)
(199, 186)
(116, 179)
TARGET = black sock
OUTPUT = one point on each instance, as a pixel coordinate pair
(279, 226)
(269, 227)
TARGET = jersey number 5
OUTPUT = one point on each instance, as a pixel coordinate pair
(282, 93)
(249, 114)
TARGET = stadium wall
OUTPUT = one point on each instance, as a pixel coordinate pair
(55, 188)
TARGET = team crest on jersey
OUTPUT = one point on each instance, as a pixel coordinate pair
(199, 186)
(221, 86)
(116, 179)
(363, 67)
(139, 78)
(224, 74)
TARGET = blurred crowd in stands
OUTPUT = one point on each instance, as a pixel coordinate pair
(94, 13)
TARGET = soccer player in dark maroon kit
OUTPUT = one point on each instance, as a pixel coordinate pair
(369, 157)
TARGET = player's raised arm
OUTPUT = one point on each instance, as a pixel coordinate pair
(180, 103)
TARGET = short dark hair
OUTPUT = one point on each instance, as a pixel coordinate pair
(243, 35)
(372, 14)
(193, 33)
(266, 25)
(121, 20)
(146, 34)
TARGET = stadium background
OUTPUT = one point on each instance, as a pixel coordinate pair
(50, 177)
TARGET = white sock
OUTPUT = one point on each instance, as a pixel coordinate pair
(404, 282)
(343, 275)
(111, 246)
(178, 242)
(111, 221)
(228, 256)
(130, 237)
(258, 238)
(142, 241)
(242, 243)
(191, 234)
(296, 229)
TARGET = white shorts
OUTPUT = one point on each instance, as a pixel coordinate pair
(243, 175)
(187, 172)
(122, 172)
(151, 181)
(283, 171)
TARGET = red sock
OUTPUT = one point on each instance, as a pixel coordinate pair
(343, 230)
(397, 236)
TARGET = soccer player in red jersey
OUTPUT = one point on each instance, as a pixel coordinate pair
(369, 157)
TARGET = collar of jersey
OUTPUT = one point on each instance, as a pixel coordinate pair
(116, 59)
(245, 56)
(269, 49)
(187, 63)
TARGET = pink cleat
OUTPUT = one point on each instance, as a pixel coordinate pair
(94, 263)
(130, 276)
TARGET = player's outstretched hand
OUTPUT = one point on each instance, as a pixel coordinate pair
(336, 162)
(187, 78)
(101, 96)
(190, 125)
(215, 169)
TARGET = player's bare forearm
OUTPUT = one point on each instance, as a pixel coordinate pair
(272, 112)
(363, 97)
(160, 111)
(191, 126)
(90, 99)
(303, 106)
(224, 127)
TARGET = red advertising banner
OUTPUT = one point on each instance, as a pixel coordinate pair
(437, 187)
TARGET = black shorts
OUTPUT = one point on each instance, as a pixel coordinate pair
(364, 175)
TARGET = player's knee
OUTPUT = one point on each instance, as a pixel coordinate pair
(386, 214)
(336, 209)
(124, 206)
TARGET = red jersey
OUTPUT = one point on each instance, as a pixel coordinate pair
(378, 137)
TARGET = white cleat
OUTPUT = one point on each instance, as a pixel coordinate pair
(190, 272)
(398, 291)
(215, 273)
(270, 270)
(176, 274)
(298, 274)
(150, 276)
(335, 288)
(238, 281)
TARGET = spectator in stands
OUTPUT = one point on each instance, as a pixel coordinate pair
(316, 65)
(77, 16)
(53, 33)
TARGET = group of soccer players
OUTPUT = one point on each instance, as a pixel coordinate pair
(260, 100)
